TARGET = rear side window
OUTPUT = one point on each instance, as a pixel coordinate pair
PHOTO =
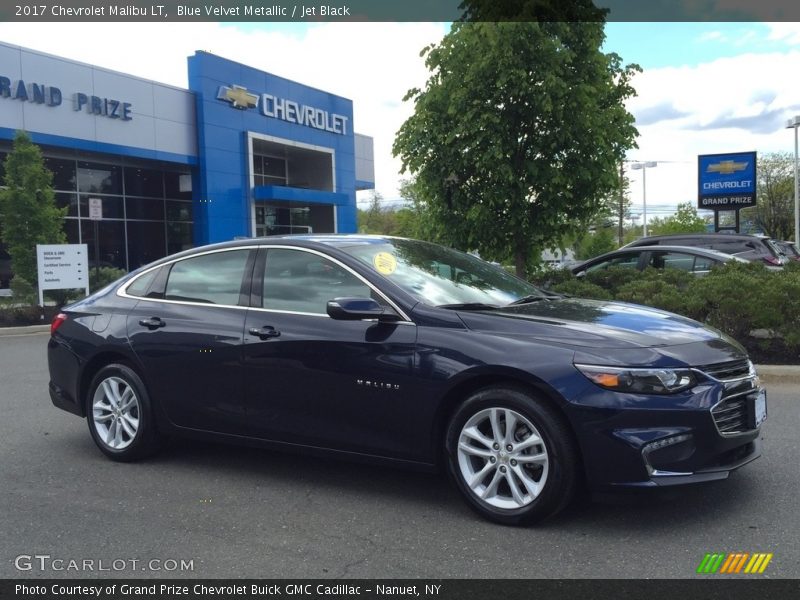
(733, 246)
(139, 287)
(671, 260)
(210, 279)
(703, 263)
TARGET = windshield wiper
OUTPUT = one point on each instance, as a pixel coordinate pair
(529, 299)
(469, 306)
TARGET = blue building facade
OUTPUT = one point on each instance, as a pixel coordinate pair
(274, 155)
(241, 153)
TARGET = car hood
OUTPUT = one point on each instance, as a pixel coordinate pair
(595, 324)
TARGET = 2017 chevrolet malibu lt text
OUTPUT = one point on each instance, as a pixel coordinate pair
(407, 353)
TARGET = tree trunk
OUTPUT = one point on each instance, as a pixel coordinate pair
(521, 261)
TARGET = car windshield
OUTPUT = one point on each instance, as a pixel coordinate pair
(441, 276)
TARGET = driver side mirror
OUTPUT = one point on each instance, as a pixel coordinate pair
(356, 309)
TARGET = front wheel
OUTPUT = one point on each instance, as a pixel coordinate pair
(511, 456)
(120, 415)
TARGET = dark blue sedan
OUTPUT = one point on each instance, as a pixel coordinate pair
(407, 353)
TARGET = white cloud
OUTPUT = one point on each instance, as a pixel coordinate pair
(731, 104)
(373, 64)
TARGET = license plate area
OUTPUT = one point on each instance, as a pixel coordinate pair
(757, 408)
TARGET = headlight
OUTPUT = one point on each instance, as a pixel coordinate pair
(639, 381)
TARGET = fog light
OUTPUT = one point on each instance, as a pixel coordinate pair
(660, 445)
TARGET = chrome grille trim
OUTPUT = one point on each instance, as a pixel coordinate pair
(730, 413)
(734, 370)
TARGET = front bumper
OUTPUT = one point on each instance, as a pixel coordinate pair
(700, 435)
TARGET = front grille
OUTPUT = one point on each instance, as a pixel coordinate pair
(728, 370)
(730, 414)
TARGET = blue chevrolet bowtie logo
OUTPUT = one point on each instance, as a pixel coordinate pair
(238, 96)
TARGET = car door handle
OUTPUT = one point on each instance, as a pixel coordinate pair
(152, 323)
(265, 332)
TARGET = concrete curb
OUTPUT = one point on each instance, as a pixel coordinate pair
(29, 330)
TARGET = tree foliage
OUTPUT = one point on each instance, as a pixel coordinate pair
(774, 210)
(516, 138)
(28, 207)
(685, 220)
(382, 220)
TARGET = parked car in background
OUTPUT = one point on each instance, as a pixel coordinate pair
(698, 261)
(789, 249)
(748, 247)
(406, 353)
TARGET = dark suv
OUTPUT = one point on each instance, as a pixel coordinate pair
(748, 247)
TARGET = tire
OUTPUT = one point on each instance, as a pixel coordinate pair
(535, 479)
(120, 414)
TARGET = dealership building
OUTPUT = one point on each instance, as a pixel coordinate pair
(240, 153)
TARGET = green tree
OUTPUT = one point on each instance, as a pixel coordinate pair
(518, 134)
(774, 210)
(376, 219)
(596, 243)
(28, 207)
(685, 220)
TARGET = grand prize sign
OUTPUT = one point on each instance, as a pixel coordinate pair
(726, 182)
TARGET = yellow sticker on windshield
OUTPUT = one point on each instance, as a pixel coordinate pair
(385, 263)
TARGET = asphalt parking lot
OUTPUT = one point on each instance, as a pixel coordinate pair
(240, 512)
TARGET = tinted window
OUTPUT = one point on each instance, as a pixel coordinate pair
(701, 263)
(626, 260)
(139, 287)
(671, 260)
(99, 178)
(212, 278)
(300, 281)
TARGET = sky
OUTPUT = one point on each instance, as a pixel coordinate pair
(705, 88)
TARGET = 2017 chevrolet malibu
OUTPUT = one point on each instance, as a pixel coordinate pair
(407, 353)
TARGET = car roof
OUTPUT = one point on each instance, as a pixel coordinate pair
(708, 252)
(713, 235)
(663, 248)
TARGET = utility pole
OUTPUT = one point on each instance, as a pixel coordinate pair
(621, 205)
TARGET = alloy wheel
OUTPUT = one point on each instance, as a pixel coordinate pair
(115, 413)
(502, 458)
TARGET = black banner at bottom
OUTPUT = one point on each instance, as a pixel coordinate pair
(711, 588)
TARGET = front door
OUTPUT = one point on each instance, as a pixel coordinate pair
(317, 381)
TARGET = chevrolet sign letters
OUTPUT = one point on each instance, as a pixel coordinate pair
(286, 110)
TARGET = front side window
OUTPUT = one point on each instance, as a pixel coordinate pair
(298, 281)
(210, 279)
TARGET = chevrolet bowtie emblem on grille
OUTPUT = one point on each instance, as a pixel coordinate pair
(238, 96)
(726, 167)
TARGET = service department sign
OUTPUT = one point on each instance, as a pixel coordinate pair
(726, 181)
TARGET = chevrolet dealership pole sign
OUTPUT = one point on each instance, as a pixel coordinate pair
(726, 181)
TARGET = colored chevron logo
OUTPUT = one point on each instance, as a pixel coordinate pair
(735, 562)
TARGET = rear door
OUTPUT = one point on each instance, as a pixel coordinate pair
(188, 333)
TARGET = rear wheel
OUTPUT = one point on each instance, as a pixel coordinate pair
(120, 414)
(511, 456)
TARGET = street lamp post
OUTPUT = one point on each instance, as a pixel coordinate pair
(794, 124)
(644, 166)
